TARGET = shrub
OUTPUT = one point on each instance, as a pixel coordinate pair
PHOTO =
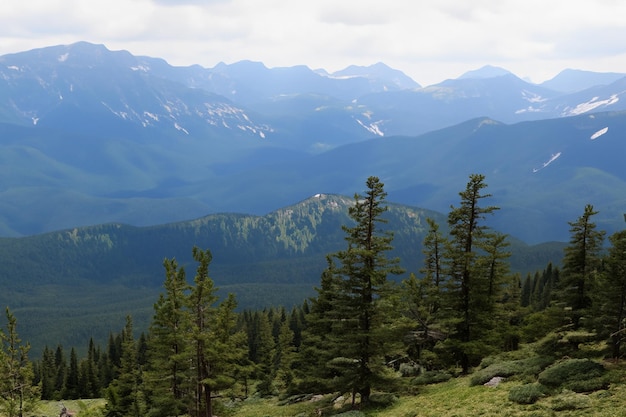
(527, 393)
(409, 369)
(503, 369)
(570, 401)
(383, 399)
(587, 384)
(530, 366)
(432, 377)
(571, 372)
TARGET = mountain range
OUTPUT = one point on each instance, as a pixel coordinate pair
(91, 136)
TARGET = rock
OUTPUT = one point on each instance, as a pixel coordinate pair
(494, 382)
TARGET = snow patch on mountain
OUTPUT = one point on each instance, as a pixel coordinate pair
(553, 158)
(372, 127)
(63, 58)
(590, 105)
(182, 129)
(532, 97)
(529, 109)
(599, 133)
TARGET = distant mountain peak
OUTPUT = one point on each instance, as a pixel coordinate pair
(571, 80)
(488, 71)
(378, 72)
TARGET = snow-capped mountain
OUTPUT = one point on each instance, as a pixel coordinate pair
(83, 87)
(89, 135)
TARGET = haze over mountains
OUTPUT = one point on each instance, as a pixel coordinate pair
(91, 136)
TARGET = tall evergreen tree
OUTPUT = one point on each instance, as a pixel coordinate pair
(47, 372)
(17, 394)
(580, 265)
(317, 348)
(359, 321)
(284, 357)
(610, 300)
(167, 391)
(265, 348)
(422, 298)
(60, 375)
(216, 348)
(124, 395)
(72, 381)
(470, 304)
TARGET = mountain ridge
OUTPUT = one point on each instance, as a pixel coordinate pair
(76, 283)
(94, 136)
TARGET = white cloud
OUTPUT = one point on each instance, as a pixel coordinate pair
(430, 40)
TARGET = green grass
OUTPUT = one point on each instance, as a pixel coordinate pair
(82, 408)
(456, 398)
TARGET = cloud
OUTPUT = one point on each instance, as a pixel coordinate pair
(430, 40)
(175, 3)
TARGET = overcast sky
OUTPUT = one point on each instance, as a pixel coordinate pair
(430, 40)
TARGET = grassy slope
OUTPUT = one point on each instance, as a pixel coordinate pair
(456, 398)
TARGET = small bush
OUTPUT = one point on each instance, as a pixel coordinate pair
(503, 369)
(527, 394)
(570, 401)
(571, 372)
(432, 377)
(587, 384)
(530, 366)
(383, 399)
(409, 369)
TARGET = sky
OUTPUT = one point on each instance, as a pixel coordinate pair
(429, 40)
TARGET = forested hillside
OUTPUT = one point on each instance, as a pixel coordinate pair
(364, 333)
(70, 284)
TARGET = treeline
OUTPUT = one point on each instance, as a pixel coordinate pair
(362, 334)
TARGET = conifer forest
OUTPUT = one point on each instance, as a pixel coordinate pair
(365, 335)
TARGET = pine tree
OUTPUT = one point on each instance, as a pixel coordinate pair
(580, 265)
(359, 321)
(469, 301)
(60, 374)
(72, 381)
(317, 347)
(284, 357)
(264, 352)
(169, 347)
(17, 394)
(610, 300)
(47, 372)
(422, 298)
(124, 396)
(216, 348)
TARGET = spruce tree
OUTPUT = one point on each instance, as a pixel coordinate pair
(469, 301)
(124, 395)
(60, 376)
(421, 299)
(580, 265)
(17, 394)
(169, 354)
(216, 348)
(359, 320)
(317, 347)
(610, 299)
(47, 372)
(72, 381)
